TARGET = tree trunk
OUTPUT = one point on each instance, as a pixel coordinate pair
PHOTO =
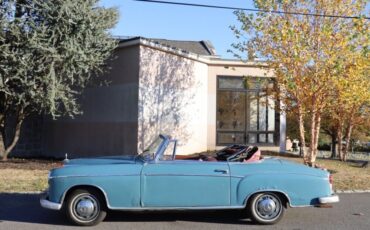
(2, 136)
(348, 139)
(8, 148)
(2, 147)
(340, 137)
(313, 136)
(302, 140)
(317, 135)
(333, 146)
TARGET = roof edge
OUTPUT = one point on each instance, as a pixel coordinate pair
(209, 60)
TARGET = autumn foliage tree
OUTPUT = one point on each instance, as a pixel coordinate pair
(49, 51)
(308, 54)
(350, 106)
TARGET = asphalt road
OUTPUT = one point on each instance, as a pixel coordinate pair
(22, 211)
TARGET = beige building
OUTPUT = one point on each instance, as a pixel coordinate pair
(180, 88)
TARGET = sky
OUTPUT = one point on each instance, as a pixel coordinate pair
(179, 22)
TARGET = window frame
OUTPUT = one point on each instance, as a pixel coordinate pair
(247, 130)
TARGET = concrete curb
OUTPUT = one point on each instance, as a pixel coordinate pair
(352, 191)
(22, 193)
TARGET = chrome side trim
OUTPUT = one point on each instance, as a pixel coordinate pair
(329, 199)
(187, 162)
(169, 174)
(93, 175)
(175, 208)
(45, 203)
(277, 172)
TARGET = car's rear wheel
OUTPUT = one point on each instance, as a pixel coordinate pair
(85, 207)
(266, 208)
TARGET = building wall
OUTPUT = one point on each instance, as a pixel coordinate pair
(108, 125)
(150, 91)
(29, 143)
(227, 69)
(172, 100)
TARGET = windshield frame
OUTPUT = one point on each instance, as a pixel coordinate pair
(159, 149)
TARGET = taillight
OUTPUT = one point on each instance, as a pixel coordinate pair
(330, 179)
(331, 182)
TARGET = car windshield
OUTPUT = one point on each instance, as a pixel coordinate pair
(149, 152)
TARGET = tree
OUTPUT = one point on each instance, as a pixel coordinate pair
(355, 98)
(306, 53)
(350, 103)
(49, 52)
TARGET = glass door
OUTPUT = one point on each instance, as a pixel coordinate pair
(245, 113)
(231, 117)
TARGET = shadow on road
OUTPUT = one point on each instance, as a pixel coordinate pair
(26, 208)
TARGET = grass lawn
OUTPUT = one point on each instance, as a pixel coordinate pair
(18, 175)
(31, 175)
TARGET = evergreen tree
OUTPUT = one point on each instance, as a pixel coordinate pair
(49, 52)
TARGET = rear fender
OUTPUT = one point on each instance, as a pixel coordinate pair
(300, 190)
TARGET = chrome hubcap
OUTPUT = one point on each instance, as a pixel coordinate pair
(85, 207)
(268, 207)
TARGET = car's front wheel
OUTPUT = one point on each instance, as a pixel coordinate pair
(85, 207)
(266, 208)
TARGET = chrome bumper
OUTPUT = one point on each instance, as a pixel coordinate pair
(45, 203)
(329, 199)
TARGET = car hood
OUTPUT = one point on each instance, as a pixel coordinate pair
(99, 166)
(125, 159)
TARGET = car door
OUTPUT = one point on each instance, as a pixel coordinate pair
(185, 183)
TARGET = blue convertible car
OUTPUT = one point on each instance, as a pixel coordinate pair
(157, 179)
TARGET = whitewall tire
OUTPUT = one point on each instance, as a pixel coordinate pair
(85, 207)
(266, 208)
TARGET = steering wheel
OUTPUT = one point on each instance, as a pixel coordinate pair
(248, 153)
(236, 156)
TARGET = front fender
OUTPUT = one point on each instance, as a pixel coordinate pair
(301, 190)
(119, 191)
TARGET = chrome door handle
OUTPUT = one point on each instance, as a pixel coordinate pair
(223, 171)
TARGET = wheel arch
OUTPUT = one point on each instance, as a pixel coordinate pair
(85, 186)
(282, 195)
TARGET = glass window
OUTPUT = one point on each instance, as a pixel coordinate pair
(270, 138)
(258, 83)
(245, 113)
(252, 138)
(262, 138)
(231, 111)
(230, 138)
(262, 112)
(271, 114)
(253, 110)
(230, 83)
(149, 152)
(168, 153)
